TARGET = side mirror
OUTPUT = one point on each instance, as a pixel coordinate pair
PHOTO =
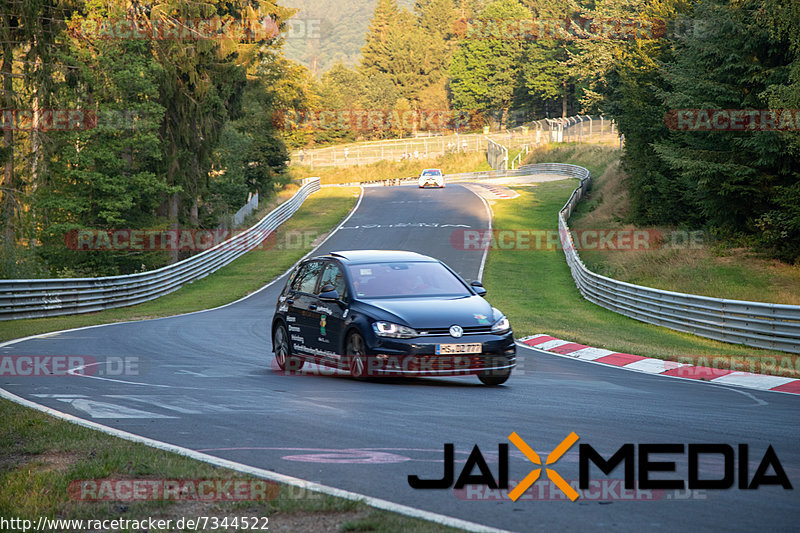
(477, 286)
(328, 293)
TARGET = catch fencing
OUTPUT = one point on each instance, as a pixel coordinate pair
(496, 155)
(581, 128)
(246, 209)
(34, 298)
(758, 324)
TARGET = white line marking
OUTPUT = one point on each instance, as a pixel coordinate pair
(97, 409)
(42, 335)
(757, 400)
(60, 395)
(569, 356)
(490, 214)
(157, 401)
(653, 366)
(258, 472)
(753, 381)
(552, 344)
(77, 372)
(590, 354)
(531, 337)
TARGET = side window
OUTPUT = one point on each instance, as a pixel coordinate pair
(306, 278)
(333, 274)
(297, 275)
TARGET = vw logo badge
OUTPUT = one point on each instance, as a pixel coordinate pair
(456, 331)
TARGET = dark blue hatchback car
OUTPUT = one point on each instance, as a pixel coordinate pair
(390, 313)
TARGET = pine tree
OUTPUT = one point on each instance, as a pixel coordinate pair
(484, 72)
(377, 53)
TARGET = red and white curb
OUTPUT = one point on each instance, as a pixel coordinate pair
(661, 367)
(493, 192)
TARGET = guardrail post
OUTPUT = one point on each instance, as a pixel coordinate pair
(34, 298)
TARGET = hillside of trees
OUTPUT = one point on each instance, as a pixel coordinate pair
(168, 132)
(742, 184)
(184, 129)
(330, 32)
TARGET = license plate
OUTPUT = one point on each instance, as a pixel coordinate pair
(459, 348)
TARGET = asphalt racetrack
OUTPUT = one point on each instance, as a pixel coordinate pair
(204, 381)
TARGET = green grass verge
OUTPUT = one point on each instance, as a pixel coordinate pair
(450, 164)
(318, 215)
(683, 262)
(40, 456)
(594, 157)
(536, 291)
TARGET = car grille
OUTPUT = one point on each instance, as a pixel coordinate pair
(445, 332)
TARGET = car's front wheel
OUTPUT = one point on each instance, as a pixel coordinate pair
(495, 377)
(283, 353)
(356, 354)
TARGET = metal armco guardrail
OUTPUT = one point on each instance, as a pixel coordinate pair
(34, 298)
(759, 324)
(524, 170)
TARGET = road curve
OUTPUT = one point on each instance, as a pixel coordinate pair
(203, 381)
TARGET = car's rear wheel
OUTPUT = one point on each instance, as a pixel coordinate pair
(495, 377)
(356, 354)
(283, 353)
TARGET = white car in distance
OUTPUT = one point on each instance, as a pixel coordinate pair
(431, 177)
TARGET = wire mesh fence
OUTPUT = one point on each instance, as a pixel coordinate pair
(581, 128)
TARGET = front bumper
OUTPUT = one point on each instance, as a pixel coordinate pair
(418, 357)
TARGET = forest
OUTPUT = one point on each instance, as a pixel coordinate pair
(105, 128)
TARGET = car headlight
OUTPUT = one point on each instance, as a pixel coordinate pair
(396, 331)
(501, 326)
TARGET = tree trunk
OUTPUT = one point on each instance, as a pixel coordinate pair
(194, 213)
(564, 103)
(174, 209)
(9, 205)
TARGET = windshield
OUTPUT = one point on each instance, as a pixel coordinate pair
(388, 280)
(431, 173)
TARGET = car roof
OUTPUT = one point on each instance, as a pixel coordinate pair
(430, 169)
(379, 256)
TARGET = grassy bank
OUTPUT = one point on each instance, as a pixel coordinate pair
(318, 215)
(682, 260)
(594, 157)
(536, 290)
(450, 164)
(40, 456)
